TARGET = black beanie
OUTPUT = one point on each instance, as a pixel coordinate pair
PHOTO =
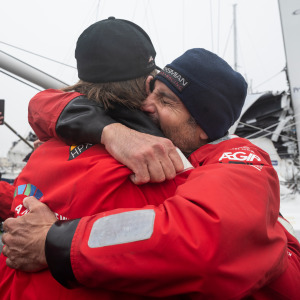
(114, 50)
(210, 89)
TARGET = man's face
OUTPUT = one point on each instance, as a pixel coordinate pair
(169, 113)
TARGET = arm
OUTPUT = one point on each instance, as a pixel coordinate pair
(134, 141)
(79, 120)
(69, 116)
(6, 198)
(76, 119)
(286, 286)
(227, 246)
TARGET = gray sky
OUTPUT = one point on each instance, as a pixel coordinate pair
(51, 28)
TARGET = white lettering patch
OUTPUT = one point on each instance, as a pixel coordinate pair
(127, 227)
(239, 156)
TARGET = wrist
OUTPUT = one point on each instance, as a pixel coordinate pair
(109, 131)
(58, 249)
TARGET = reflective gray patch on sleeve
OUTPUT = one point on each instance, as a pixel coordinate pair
(122, 228)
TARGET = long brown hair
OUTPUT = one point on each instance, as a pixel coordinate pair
(130, 93)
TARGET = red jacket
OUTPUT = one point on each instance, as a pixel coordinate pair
(44, 110)
(217, 237)
(74, 182)
(6, 196)
(214, 232)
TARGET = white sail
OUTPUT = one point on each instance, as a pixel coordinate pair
(290, 23)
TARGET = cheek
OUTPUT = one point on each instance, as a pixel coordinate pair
(167, 117)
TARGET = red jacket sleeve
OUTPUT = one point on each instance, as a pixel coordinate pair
(6, 198)
(218, 237)
(75, 119)
(287, 285)
(44, 110)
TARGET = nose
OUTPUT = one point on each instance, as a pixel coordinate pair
(149, 105)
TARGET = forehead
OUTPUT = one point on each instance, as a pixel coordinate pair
(174, 103)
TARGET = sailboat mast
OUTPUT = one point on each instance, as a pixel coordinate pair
(235, 38)
(290, 23)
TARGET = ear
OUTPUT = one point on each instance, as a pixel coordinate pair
(203, 135)
(148, 84)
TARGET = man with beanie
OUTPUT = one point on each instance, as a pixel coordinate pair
(218, 237)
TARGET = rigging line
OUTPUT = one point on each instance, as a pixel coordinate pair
(218, 34)
(296, 115)
(269, 132)
(211, 27)
(85, 21)
(296, 140)
(261, 130)
(9, 75)
(254, 50)
(134, 11)
(97, 10)
(285, 127)
(16, 133)
(269, 79)
(273, 125)
(37, 55)
(255, 127)
(183, 25)
(290, 125)
(146, 9)
(242, 58)
(227, 41)
(158, 39)
(88, 18)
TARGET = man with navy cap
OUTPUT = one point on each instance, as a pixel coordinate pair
(220, 236)
(108, 51)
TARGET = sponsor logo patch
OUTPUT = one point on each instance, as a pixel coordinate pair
(175, 78)
(21, 192)
(76, 150)
(241, 157)
(26, 190)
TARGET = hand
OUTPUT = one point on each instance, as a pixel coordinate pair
(24, 237)
(37, 143)
(150, 158)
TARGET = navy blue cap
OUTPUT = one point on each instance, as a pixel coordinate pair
(210, 89)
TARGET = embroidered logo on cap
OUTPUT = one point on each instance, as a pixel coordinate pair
(175, 78)
(151, 62)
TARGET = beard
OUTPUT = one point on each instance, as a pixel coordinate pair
(185, 136)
